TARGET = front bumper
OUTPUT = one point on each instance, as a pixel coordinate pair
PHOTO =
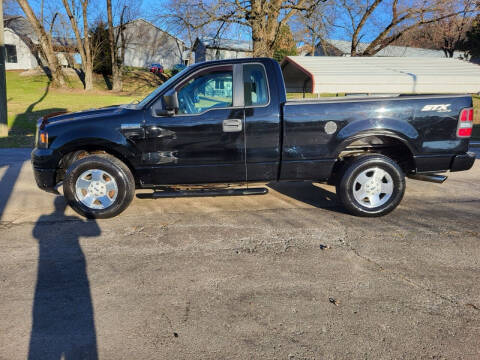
(463, 161)
(46, 179)
(44, 169)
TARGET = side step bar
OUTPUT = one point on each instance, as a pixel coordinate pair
(203, 192)
(439, 179)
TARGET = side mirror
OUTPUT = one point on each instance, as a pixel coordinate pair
(170, 104)
(170, 101)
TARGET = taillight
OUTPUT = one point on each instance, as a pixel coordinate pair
(465, 123)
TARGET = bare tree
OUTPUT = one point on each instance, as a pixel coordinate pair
(83, 45)
(404, 15)
(126, 11)
(46, 44)
(264, 18)
(312, 27)
(183, 20)
(447, 34)
(116, 73)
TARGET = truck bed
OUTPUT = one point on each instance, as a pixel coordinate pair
(315, 131)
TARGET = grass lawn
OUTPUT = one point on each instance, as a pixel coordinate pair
(30, 97)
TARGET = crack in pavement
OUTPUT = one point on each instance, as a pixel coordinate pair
(407, 279)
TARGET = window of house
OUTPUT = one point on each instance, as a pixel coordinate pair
(255, 85)
(11, 53)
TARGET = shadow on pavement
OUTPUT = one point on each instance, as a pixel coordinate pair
(309, 193)
(13, 159)
(63, 325)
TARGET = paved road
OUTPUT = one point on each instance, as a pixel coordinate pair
(240, 277)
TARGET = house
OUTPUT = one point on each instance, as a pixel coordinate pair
(206, 49)
(331, 47)
(20, 40)
(146, 44)
(22, 49)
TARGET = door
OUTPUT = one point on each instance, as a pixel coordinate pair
(205, 141)
(262, 124)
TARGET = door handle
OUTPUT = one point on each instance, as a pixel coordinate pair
(232, 125)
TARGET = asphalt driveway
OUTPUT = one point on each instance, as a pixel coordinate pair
(286, 275)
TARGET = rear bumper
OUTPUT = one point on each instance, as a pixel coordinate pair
(463, 162)
(443, 163)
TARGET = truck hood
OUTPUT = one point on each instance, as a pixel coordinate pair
(79, 115)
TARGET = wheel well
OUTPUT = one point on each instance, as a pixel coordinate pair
(377, 144)
(78, 154)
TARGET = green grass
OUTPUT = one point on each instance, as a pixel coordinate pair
(31, 97)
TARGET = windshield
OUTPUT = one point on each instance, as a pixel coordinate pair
(158, 90)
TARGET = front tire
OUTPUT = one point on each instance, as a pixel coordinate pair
(371, 185)
(99, 186)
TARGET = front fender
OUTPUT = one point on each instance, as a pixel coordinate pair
(95, 138)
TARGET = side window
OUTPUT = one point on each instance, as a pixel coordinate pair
(11, 53)
(206, 90)
(255, 85)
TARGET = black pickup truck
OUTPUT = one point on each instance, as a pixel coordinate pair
(228, 122)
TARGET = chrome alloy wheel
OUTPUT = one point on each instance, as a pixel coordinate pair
(96, 189)
(373, 187)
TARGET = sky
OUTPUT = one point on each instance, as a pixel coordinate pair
(149, 9)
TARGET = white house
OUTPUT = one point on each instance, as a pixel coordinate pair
(18, 33)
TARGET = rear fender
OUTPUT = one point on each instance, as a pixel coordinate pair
(398, 129)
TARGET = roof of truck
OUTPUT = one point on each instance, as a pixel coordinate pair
(377, 75)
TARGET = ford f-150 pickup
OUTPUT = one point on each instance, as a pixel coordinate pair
(229, 122)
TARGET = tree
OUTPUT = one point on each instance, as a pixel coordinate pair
(264, 18)
(116, 71)
(117, 38)
(101, 49)
(46, 44)
(83, 45)
(447, 34)
(285, 44)
(472, 43)
(179, 17)
(312, 27)
(359, 17)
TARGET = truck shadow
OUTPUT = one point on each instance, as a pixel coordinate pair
(309, 193)
(63, 324)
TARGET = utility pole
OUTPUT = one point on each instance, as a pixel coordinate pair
(3, 83)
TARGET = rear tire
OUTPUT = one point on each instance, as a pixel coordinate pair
(99, 186)
(371, 185)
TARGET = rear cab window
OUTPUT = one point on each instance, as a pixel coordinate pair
(255, 85)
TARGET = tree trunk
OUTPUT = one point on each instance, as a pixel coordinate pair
(88, 68)
(82, 45)
(116, 73)
(57, 76)
(263, 40)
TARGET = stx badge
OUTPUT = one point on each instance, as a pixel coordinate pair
(438, 107)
